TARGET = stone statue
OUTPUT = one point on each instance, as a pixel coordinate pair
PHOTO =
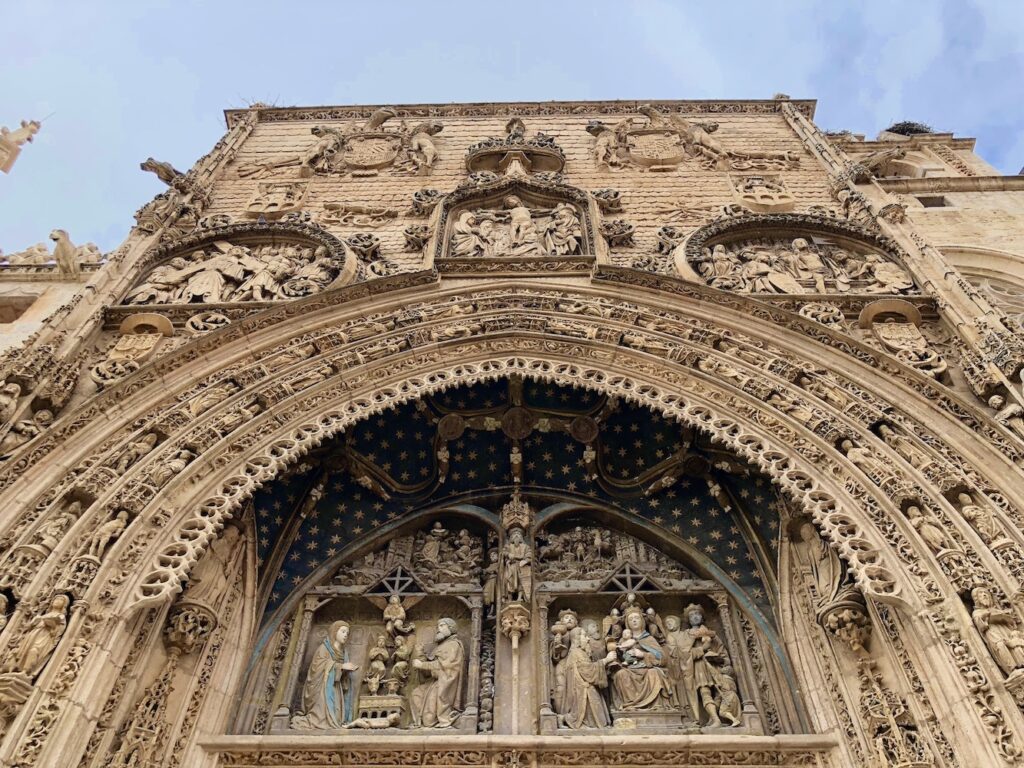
(3, 611)
(171, 467)
(161, 284)
(44, 632)
(517, 578)
(559, 650)
(328, 697)
(929, 528)
(983, 521)
(65, 252)
(136, 451)
(1000, 631)
(12, 141)
(524, 239)
(470, 238)
(641, 684)
(904, 447)
(806, 264)
(564, 233)
(583, 705)
(1009, 415)
(437, 703)
(422, 151)
(701, 658)
(9, 395)
(378, 658)
(25, 430)
(106, 534)
(491, 581)
(50, 533)
(394, 618)
(211, 574)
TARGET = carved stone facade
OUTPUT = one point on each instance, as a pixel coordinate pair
(568, 434)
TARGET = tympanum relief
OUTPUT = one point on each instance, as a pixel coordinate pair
(392, 638)
(404, 637)
(798, 266)
(516, 230)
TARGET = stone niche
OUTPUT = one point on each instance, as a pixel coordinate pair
(251, 263)
(393, 641)
(791, 254)
(517, 226)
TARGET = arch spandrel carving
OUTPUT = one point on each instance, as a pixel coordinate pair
(713, 398)
(793, 254)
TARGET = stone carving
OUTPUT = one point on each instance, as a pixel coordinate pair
(66, 257)
(105, 535)
(517, 567)
(663, 142)
(44, 632)
(516, 231)
(618, 233)
(360, 150)
(514, 154)
(328, 697)
(273, 199)
(983, 520)
(797, 267)
(166, 172)
(702, 670)
(593, 554)
(356, 215)
(894, 735)
(1001, 632)
(582, 704)
(438, 702)
(12, 141)
(434, 556)
(640, 679)
(909, 345)
(762, 194)
(424, 201)
(229, 273)
(24, 430)
(608, 200)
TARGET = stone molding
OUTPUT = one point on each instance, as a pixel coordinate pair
(276, 114)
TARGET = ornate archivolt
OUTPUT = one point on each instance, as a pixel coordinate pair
(818, 437)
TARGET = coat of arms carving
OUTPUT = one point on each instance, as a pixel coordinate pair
(663, 142)
(360, 151)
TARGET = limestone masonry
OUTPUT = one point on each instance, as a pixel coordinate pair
(522, 435)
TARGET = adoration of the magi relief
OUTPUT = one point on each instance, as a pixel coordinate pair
(532, 435)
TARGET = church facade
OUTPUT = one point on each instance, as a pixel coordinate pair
(523, 435)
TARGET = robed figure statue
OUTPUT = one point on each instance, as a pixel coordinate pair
(437, 703)
(328, 698)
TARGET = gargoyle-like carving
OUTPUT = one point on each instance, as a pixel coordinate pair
(12, 141)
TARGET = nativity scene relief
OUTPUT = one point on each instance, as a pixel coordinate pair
(535, 599)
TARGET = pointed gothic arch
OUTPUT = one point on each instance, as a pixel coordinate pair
(579, 342)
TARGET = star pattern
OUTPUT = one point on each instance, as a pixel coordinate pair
(400, 443)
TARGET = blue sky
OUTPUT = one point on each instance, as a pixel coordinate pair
(126, 80)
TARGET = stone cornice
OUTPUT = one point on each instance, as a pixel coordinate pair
(484, 109)
(954, 184)
(910, 142)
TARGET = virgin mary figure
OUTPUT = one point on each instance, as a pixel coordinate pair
(328, 698)
(644, 685)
